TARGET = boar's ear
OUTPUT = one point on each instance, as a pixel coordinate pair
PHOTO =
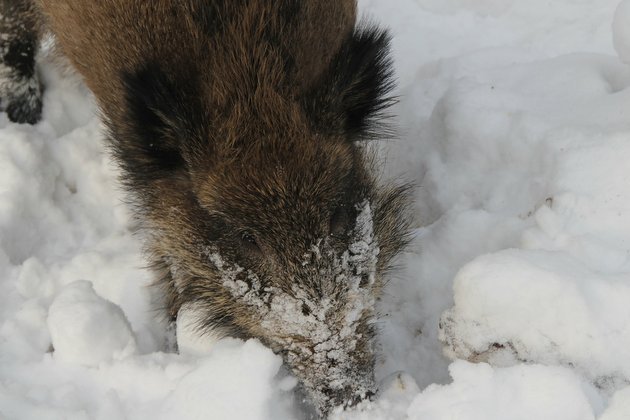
(351, 96)
(151, 138)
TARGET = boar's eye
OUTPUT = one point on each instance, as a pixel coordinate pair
(250, 244)
(338, 221)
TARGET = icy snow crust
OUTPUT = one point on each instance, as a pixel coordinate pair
(515, 123)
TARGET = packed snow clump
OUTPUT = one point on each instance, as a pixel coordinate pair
(243, 386)
(87, 329)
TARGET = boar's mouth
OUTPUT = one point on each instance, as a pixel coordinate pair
(321, 403)
(322, 322)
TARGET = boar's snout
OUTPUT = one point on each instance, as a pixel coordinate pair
(317, 311)
(334, 393)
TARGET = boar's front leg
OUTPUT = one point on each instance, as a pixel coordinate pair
(20, 90)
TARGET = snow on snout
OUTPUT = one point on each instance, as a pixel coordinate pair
(328, 329)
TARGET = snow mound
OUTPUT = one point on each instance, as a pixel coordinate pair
(235, 381)
(482, 392)
(479, 392)
(619, 408)
(87, 329)
(561, 298)
(532, 306)
(621, 31)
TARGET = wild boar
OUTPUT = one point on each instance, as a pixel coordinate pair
(242, 131)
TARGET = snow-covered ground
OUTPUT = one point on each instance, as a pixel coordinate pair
(513, 303)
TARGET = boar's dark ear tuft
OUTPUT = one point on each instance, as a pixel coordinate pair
(352, 95)
(146, 141)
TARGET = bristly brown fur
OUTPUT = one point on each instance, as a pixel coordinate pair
(239, 127)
